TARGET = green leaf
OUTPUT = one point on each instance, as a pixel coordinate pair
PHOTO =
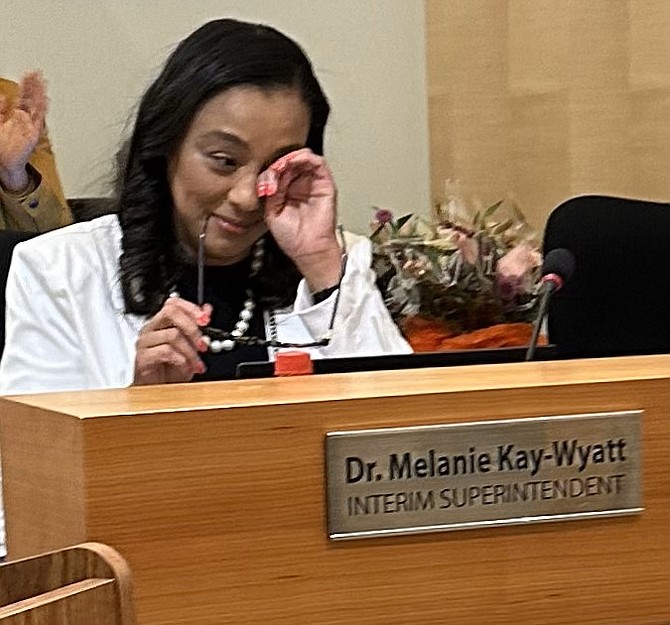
(500, 228)
(399, 223)
(402, 221)
(492, 209)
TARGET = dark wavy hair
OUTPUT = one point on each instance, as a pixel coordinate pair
(220, 55)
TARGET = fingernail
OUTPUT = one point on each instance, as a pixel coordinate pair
(202, 319)
(200, 368)
(202, 345)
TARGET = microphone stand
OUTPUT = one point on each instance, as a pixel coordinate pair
(557, 268)
(542, 311)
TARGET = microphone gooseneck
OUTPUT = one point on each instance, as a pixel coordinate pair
(557, 269)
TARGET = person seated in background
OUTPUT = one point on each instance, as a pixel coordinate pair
(31, 196)
(225, 247)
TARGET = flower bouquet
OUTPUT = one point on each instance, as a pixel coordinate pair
(464, 279)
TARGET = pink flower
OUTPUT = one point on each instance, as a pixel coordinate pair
(513, 271)
(383, 216)
(467, 246)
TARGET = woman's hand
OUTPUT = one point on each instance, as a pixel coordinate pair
(300, 211)
(168, 345)
(20, 128)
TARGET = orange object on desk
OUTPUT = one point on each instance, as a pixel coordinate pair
(293, 363)
(427, 335)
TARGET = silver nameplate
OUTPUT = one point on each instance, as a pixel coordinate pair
(448, 477)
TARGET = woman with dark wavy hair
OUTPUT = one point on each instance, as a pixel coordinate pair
(224, 248)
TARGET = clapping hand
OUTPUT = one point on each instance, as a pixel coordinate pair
(21, 124)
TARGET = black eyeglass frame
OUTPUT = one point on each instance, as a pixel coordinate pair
(216, 334)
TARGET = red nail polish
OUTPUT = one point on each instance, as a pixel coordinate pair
(202, 319)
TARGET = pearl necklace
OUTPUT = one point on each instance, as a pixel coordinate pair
(247, 312)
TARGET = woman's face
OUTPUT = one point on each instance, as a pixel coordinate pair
(234, 137)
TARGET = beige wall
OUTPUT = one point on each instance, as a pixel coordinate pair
(543, 99)
(547, 99)
(99, 55)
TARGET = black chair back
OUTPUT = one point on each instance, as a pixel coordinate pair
(615, 303)
(8, 240)
(87, 208)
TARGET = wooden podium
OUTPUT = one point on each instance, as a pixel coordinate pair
(215, 495)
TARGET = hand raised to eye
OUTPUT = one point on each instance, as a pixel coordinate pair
(301, 213)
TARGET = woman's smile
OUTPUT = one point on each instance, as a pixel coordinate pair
(230, 225)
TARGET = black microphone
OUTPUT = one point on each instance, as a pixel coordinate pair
(557, 269)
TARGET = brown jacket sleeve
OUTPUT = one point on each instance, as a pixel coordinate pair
(43, 207)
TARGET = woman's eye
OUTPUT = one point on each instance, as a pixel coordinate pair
(223, 162)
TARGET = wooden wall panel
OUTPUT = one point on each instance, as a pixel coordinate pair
(547, 99)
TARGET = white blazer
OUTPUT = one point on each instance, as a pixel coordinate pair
(66, 328)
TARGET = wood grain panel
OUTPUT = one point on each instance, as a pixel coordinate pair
(54, 506)
(598, 70)
(88, 583)
(221, 511)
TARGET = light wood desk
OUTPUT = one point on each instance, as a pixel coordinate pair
(214, 493)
